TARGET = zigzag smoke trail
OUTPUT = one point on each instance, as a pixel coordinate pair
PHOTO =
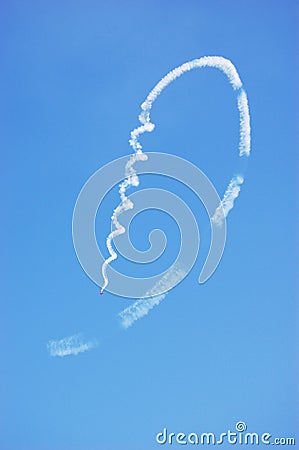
(233, 189)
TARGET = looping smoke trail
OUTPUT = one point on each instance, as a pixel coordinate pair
(232, 192)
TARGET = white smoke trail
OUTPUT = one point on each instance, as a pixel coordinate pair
(227, 203)
(71, 345)
(244, 144)
(218, 62)
(142, 306)
(139, 309)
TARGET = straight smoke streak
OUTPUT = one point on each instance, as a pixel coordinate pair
(227, 203)
(139, 309)
(218, 62)
(244, 144)
(142, 306)
(72, 345)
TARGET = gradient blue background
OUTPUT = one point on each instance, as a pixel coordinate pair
(73, 74)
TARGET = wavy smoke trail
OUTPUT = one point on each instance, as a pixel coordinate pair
(233, 189)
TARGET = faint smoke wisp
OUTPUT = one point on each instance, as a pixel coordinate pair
(71, 345)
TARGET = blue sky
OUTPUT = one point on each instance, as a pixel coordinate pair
(73, 76)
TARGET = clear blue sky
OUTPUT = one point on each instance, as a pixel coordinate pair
(73, 75)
